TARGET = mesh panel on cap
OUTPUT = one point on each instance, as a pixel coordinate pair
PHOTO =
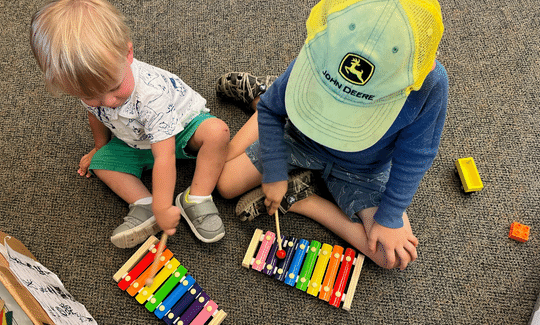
(424, 17)
(317, 18)
(426, 23)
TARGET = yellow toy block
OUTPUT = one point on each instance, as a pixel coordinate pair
(470, 179)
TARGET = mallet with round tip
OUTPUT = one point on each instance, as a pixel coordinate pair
(280, 253)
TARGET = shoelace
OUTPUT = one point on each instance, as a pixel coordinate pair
(245, 86)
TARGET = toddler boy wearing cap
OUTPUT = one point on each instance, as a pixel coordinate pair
(364, 104)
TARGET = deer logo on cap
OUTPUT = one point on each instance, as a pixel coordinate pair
(356, 69)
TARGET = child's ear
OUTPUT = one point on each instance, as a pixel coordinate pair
(130, 53)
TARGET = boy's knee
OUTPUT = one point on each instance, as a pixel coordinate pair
(212, 132)
(218, 129)
(224, 189)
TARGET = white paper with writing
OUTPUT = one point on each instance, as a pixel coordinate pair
(47, 288)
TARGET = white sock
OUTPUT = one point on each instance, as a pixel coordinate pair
(143, 201)
(197, 198)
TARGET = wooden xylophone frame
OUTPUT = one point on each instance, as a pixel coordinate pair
(174, 296)
(306, 264)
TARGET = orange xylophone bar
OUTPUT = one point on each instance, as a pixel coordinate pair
(311, 267)
(174, 295)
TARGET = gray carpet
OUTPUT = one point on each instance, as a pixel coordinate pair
(468, 270)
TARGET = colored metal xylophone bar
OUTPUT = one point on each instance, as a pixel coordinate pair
(174, 295)
(311, 267)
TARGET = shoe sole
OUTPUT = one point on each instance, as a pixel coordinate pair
(246, 201)
(255, 195)
(132, 237)
(193, 229)
(261, 86)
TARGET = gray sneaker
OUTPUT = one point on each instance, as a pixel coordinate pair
(300, 186)
(203, 218)
(139, 224)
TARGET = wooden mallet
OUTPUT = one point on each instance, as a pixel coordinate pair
(153, 268)
(280, 253)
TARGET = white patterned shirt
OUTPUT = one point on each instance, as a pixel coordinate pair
(160, 106)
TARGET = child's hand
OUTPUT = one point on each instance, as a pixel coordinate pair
(274, 193)
(85, 163)
(400, 241)
(168, 219)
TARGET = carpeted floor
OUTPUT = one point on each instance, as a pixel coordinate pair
(468, 270)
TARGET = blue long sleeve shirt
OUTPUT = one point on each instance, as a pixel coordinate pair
(410, 145)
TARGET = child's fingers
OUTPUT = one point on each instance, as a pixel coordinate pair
(404, 258)
(391, 257)
(268, 204)
(372, 245)
(412, 252)
(271, 206)
(407, 254)
(413, 240)
(84, 172)
(170, 232)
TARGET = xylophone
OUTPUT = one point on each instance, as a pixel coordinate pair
(311, 267)
(174, 295)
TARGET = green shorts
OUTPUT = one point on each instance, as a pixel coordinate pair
(118, 156)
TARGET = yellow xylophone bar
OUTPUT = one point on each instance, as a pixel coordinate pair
(194, 310)
(328, 260)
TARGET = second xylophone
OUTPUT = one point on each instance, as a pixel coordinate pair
(319, 269)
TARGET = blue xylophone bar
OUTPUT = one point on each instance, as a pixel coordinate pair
(296, 263)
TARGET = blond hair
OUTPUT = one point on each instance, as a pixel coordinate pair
(79, 45)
